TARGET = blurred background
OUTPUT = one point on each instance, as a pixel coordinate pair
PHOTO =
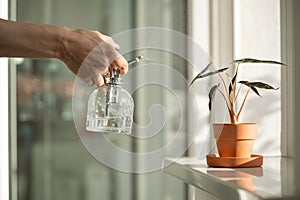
(51, 161)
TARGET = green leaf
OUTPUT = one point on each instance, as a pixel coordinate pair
(252, 60)
(212, 94)
(255, 90)
(214, 72)
(263, 86)
(259, 85)
(231, 84)
(208, 74)
(247, 83)
(204, 70)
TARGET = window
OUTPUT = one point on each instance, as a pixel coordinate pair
(238, 29)
(52, 163)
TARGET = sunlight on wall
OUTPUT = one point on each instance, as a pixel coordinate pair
(257, 35)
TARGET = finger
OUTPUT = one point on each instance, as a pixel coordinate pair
(103, 77)
(90, 82)
(122, 64)
(106, 76)
(100, 81)
(105, 72)
(110, 41)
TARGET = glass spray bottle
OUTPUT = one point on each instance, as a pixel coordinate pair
(110, 107)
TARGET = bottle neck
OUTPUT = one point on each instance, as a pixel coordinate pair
(110, 85)
(113, 85)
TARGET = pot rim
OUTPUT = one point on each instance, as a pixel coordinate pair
(231, 124)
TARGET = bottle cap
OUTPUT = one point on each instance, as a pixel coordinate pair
(115, 77)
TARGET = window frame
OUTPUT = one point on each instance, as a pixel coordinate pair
(287, 77)
(4, 116)
(291, 48)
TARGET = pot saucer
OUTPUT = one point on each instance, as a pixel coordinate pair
(215, 161)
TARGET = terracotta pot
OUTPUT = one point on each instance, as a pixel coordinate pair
(235, 140)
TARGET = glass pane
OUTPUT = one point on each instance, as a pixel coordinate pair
(52, 162)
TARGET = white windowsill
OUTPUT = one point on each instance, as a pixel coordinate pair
(271, 181)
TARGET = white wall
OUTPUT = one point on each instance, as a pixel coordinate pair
(257, 35)
(199, 30)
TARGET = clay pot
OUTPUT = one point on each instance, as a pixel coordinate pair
(235, 140)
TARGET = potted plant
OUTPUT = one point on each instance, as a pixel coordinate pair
(234, 139)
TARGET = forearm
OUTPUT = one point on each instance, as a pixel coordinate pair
(72, 46)
(30, 41)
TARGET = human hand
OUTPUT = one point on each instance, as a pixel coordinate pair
(92, 53)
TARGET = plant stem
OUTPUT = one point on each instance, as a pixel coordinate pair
(233, 119)
(234, 84)
(224, 84)
(226, 101)
(233, 96)
(232, 115)
(230, 107)
(241, 108)
(237, 94)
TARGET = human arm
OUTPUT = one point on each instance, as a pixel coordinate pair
(91, 50)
